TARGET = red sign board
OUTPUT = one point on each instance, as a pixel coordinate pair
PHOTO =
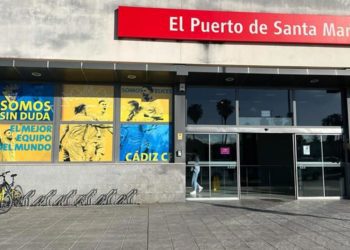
(198, 25)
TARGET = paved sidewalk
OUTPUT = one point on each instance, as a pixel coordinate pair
(247, 224)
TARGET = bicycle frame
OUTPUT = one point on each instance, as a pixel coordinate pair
(6, 199)
(4, 186)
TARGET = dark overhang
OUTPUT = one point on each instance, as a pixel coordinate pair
(109, 72)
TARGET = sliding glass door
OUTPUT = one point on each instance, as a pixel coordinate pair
(266, 165)
(217, 158)
(320, 165)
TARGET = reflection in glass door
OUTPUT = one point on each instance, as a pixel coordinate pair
(319, 165)
(332, 165)
(309, 165)
(266, 165)
(218, 165)
(223, 165)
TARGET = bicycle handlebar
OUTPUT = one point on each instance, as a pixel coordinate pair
(4, 173)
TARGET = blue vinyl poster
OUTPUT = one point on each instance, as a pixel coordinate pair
(26, 101)
(145, 142)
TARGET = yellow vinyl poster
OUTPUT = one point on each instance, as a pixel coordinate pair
(25, 143)
(146, 104)
(85, 142)
(87, 102)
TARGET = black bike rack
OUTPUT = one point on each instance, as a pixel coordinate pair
(85, 199)
(58, 201)
(26, 198)
(121, 199)
(69, 196)
(130, 195)
(63, 200)
(89, 196)
(48, 197)
(106, 199)
(82, 199)
(38, 201)
(126, 198)
(44, 200)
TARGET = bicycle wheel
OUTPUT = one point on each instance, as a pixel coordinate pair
(5, 201)
(17, 195)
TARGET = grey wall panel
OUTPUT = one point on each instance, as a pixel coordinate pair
(155, 182)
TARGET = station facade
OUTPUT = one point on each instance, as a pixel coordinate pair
(125, 95)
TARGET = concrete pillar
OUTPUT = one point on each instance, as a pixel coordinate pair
(180, 121)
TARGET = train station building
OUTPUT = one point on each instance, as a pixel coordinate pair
(133, 94)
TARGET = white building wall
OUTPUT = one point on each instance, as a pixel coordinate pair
(85, 30)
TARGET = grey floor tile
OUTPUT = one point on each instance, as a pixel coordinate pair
(133, 244)
(261, 245)
(284, 245)
(184, 243)
(160, 244)
(8, 246)
(110, 245)
(83, 246)
(255, 224)
(211, 246)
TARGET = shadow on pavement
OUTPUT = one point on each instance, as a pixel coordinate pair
(251, 209)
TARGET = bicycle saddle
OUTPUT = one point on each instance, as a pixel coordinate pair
(13, 175)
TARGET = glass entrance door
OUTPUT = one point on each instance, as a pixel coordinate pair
(320, 165)
(215, 155)
(266, 165)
